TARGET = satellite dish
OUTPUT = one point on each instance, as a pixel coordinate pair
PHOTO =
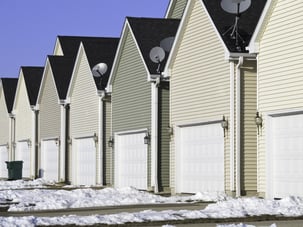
(167, 43)
(157, 54)
(99, 69)
(235, 6)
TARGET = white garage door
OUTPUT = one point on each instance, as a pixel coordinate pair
(131, 161)
(286, 133)
(84, 162)
(23, 154)
(200, 158)
(3, 159)
(50, 160)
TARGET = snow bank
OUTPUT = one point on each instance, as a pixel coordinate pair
(43, 199)
(17, 184)
(243, 225)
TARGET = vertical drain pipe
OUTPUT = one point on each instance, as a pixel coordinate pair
(155, 119)
(238, 126)
(232, 126)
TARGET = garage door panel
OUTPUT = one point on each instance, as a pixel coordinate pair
(200, 158)
(286, 139)
(23, 154)
(50, 160)
(131, 161)
(3, 159)
(84, 160)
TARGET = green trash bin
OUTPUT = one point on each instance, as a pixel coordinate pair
(14, 170)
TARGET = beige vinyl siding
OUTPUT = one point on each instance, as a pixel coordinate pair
(49, 109)
(131, 98)
(199, 78)
(280, 68)
(131, 94)
(248, 126)
(84, 107)
(164, 136)
(108, 150)
(24, 115)
(58, 49)
(4, 120)
(177, 9)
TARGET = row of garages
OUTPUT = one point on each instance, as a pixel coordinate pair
(214, 119)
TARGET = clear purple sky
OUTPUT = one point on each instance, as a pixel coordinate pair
(28, 28)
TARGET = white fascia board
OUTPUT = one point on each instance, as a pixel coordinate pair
(46, 69)
(181, 30)
(57, 46)
(178, 38)
(18, 89)
(172, 3)
(75, 72)
(140, 53)
(117, 56)
(253, 46)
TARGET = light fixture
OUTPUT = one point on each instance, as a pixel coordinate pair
(29, 142)
(258, 121)
(146, 138)
(170, 130)
(224, 124)
(69, 141)
(110, 142)
(95, 138)
(57, 141)
(7, 146)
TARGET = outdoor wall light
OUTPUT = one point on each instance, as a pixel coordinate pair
(110, 142)
(146, 139)
(258, 121)
(69, 141)
(95, 138)
(29, 143)
(7, 146)
(57, 141)
(224, 124)
(170, 130)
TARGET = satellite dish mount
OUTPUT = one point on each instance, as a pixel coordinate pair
(235, 7)
(157, 55)
(99, 70)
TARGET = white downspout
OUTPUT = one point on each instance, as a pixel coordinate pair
(232, 126)
(154, 134)
(238, 126)
(100, 144)
(62, 144)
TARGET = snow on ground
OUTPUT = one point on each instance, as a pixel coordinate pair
(17, 184)
(41, 199)
(243, 225)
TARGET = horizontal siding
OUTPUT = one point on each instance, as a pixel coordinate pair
(131, 98)
(164, 135)
(280, 69)
(24, 114)
(4, 120)
(199, 77)
(249, 132)
(177, 9)
(49, 109)
(84, 108)
(108, 151)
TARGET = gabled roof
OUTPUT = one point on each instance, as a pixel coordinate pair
(148, 33)
(101, 50)
(223, 21)
(9, 86)
(62, 68)
(70, 44)
(32, 77)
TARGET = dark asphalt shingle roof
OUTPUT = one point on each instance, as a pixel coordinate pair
(247, 23)
(9, 88)
(101, 50)
(70, 44)
(62, 68)
(149, 32)
(32, 77)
